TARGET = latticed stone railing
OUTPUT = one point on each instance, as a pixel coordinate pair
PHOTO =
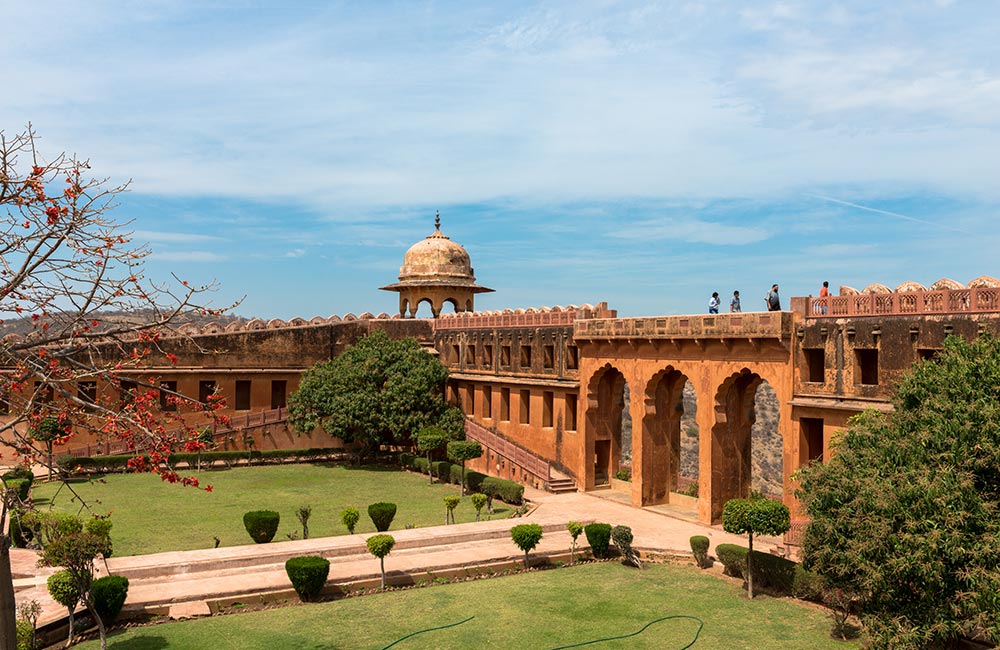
(744, 325)
(906, 303)
(515, 454)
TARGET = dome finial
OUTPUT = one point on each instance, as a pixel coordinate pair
(437, 220)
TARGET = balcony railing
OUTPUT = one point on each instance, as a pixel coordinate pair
(514, 453)
(742, 325)
(906, 303)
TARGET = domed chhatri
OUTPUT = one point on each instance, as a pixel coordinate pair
(438, 271)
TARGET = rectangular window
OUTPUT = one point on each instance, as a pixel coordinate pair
(525, 400)
(488, 356)
(505, 356)
(815, 364)
(206, 387)
(279, 390)
(470, 356)
(126, 392)
(810, 440)
(572, 358)
(526, 356)
(866, 368)
(927, 354)
(455, 355)
(505, 405)
(487, 402)
(547, 401)
(469, 403)
(167, 390)
(548, 356)
(570, 418)
(242, 397)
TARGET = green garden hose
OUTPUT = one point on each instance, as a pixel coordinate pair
(701, 624)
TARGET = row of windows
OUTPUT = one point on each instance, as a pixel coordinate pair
(87, 392)
(474, 360)
(485, 408)
(866, 367)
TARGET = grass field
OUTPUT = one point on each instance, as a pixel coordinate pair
(150, 516)
(544, 609)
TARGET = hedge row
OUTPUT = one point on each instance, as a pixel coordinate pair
(772, 572)
(119, 463)
(498, 488)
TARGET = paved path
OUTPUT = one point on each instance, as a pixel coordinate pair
(185, 580)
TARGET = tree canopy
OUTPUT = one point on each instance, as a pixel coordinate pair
(905, 515)
(755, 516)
(379, 391)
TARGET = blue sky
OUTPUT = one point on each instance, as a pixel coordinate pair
(642, 153)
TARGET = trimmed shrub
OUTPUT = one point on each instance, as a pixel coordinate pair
(380, 546)
(442, 469)
(18, 472)
(598, 536)
(699, 546)
(733, 558)
(450, 503)
(109, 596)
(20, 486)
(623, 475)
(622, 537)
(574, 528)
(808, 585)
(406, 460)
(478, 501)
(261, 524)
(382, 514)
(308, 574)
(420, 464)
(350, 517)
(774, 573)
(499, 488)
(474, 480)
(526, 538)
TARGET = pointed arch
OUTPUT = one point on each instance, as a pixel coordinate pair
(663, 405)
(731, 448)
(605, 405)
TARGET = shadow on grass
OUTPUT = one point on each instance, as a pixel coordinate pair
(139, 643)
(366, 468)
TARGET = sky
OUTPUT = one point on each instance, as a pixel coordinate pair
(640, 153)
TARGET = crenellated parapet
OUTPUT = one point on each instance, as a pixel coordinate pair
(258, 325)
(946, 296)
(523, 317)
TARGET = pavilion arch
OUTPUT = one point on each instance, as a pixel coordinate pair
(663, 406)
(605, 405)
(731, 439)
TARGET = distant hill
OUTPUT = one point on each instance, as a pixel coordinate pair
(24, 326)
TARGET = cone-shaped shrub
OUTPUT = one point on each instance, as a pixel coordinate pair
(699, 546)
(261, 524)
(308, 574)
(598, 536)
(109, 596)
(382, 515)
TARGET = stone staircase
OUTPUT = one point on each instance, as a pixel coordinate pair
(561, 485)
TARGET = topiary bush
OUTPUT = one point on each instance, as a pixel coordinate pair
(622, 537)
(450, 503)
(474, 480)
(774, 573)
(20, 486)
(261, 524)
(380, 546)
(349, 517)
(478, 501)
(499, 488)
(18, 472)
(63, 589)
(574, 528)
(420, 464)
(308, 574)
(109, 595)
(599, 537)
(382, 514)
(406, 460)
(442, 469)
(455, 475)
(733, 558)
(526, 538)
(699, 546)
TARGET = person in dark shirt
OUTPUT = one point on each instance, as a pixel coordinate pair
(772, 299)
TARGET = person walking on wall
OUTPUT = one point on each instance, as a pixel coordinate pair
(734, 304)
(713, 303)
(772, 299)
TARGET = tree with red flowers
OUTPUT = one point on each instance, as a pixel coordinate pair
(69, 270)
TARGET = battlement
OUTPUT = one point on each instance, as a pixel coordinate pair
(529, 317)
(980, 296)
(754, 325)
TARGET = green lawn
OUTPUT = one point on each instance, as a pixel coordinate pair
(546, 609)
(151, 516)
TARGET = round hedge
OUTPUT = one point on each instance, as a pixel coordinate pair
(699, 546)
(261, 524)
(308, 574)
(382, 514)
(109, 596)
(599, 537)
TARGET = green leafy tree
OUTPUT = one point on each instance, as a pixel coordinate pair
(755, 516)
(349, 517)
(380, 546)
(64, 591)
(379, 391)
(526, 538)
(450, 503)
(460, 451)
(429, 439)
(574, 528)
(48, 430)
(76, 553)
(452, 422)
(904, 517)
(478, 501)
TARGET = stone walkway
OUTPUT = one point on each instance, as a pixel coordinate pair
(180, 583)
